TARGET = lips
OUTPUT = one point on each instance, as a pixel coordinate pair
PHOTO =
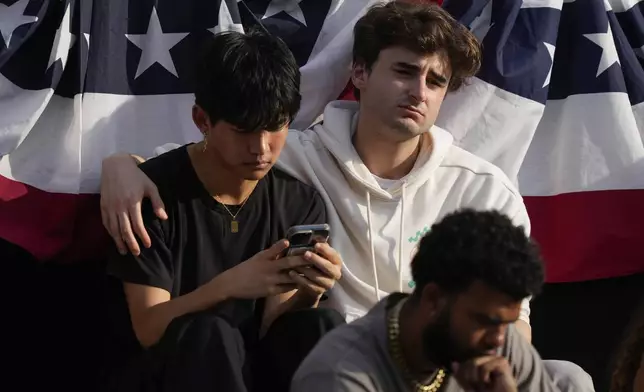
(413, 110)
(258, 164)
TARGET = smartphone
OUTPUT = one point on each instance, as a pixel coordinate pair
(304, 237)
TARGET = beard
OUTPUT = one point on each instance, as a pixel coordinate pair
(441, 347)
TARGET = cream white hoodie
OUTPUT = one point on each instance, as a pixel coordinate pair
(377, 230)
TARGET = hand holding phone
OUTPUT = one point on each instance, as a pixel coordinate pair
(325, 269)
(303, 238)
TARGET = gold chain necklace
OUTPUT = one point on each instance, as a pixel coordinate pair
(234, 224)
(395, 350)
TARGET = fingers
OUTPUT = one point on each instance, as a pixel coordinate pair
(157, 202)
(138, 226)
(281, 278)
(325, 266)
(275, 250)
(289, 263)
(492, 369)
(471, 373)
(315, 277)
(283, 288)
(126, 233)
(327, 252)
(115, 232)
(303, 283)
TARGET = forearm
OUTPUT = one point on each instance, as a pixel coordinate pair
(153, 322)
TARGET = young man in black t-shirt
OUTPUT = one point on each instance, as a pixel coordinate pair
(211, 300)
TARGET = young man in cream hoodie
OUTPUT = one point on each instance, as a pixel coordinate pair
(386, 172)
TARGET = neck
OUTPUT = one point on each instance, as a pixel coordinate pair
(384, 157)
(219, 182)
(411, 333)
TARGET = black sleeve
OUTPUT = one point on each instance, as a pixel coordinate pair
(154, 265)
(316, 213)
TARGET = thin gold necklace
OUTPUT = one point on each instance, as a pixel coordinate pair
(395, 350)
(234, 224)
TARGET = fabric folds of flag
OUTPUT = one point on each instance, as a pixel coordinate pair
(82, 79)
(558, 106)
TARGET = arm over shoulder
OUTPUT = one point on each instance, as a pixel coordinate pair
(294, 158)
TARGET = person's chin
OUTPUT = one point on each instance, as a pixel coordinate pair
(255, 173)
(408, 127)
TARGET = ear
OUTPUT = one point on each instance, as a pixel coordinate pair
(359, 75)
(200, 118)
(433, 299)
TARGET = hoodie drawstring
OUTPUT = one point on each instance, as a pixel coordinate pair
(400, 239)
(374, 267)
(371, 245)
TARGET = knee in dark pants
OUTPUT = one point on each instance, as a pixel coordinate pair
(201, 352)
(299, 331)
(308, 321)
(196, 332)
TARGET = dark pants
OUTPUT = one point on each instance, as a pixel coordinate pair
(203, 352)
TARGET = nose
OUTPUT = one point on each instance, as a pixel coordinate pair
(418, 90)
(259, 143)
(495, 337)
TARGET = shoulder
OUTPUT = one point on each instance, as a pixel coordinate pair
(290, 187)
(478, 169)
(300, 145)
(308, 137)
(518, 350)
(343, 356)
(482, 185)
(165, 169)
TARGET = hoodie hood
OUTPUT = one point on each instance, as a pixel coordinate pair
(336, 132)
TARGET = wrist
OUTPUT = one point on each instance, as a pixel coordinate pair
(120, 159)
(304, 300)
(215, 291)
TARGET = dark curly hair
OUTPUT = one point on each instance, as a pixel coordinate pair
(249, 80)
(468, 246)
(422, 28)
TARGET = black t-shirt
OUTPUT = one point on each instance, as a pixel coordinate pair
(196, 242)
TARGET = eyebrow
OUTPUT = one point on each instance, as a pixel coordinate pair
(492, 320)
(441, 79)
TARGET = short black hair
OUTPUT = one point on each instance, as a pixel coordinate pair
(468, 246)
(249, 80)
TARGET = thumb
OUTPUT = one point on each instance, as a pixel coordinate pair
(276, 249)
(157, 202)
